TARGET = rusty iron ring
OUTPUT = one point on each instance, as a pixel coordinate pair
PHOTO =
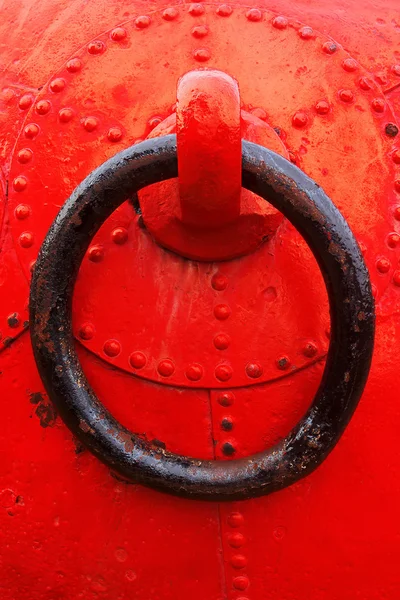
(325, 230)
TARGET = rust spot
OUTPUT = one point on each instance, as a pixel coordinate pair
(36, 398)
(337, 251)
(76, 220)
(47, 415)
(158, 444)
(79, 447)
(85, 427)
(313, 443)
(283, 363)
(13, 321)
(127, 441)
(361, 316)
(391, 130)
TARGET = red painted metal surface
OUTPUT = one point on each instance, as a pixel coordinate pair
(209, 148)
(83, 81)
(206, 215)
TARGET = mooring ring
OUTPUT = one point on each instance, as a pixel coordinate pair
(328, 235)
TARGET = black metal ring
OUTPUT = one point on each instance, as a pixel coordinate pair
(305, 204)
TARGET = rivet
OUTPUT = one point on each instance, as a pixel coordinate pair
(395, 69)
(121, 554)
(222, 312)
(240, 583)
(96, 253)
(20, 183)
(8, 95)
(378, 105)
(22, 211)
(227, 424)
(391, 130)
(13, 320)
(238, 561)
(142, 22)
(154, 121)
(219, 281)
(26, 239)
(396, 278)
(299, 119)
(112, 348)
(283, 363)
(137, 360)
(235, 519)
(90, 123)
(236, 540)
(346, 95)
(381, 78)
(306, 33)
(86, 331)
(254, 370)
(322, 107)
(397, 185)
(114, 134)
(225, 398)
(25, 101)
(31, 130)
(166, 368)
(65, 115)
(202, 54)
(118, 34)
(396, 157)
(25, 155)
(170, 14)
(42, 107)
(228, 449)
(280, 22)
(194, 372)
(130, 575)
(196, 10)
(383, 265)
(119, 235)
(222, 341)
(396, 213)
(74, 65)
(365, 83)
(393, 240)
(254, 15)
(223, 372)
(96, 47)
(199, 31)
(329, 47)
(57, 85)
(349, 65)
(279, 533)
(310, 349)
(224, 10)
